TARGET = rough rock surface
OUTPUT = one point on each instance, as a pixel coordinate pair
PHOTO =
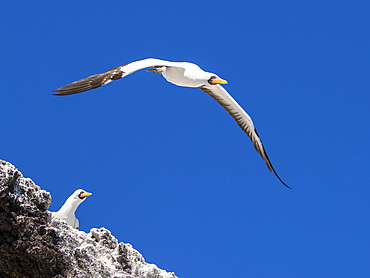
(34, 243)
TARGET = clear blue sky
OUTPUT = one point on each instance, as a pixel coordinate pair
(169, 169)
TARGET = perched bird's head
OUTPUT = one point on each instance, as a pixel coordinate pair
(214, 79)
(79, 195)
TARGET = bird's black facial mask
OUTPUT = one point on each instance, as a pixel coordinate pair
(210, 81)
(80, 195)
(214, 80)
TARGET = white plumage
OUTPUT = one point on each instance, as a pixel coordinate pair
(67, 211)
(182, 74)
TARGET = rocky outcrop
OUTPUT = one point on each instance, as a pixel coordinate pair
(34, 243)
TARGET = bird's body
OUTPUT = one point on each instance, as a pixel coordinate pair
(189, 75)
(182, 74)
(67, 211)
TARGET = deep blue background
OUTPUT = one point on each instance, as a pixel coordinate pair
(169, 169)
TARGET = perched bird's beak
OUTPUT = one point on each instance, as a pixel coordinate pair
(218, 81)
(85, 194)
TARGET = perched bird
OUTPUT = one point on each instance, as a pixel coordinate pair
(182, 74)
(67, 211)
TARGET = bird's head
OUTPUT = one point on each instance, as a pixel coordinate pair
(80, 195)
(214, 79)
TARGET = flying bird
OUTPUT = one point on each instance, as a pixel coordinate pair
(182, 74)
(67, 211)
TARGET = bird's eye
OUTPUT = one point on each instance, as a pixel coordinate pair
(79, 195)
(210, 81)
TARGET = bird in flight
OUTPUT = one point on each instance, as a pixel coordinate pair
(182, 74)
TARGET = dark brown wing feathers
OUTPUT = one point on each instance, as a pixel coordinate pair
(90, 82)
(248, 129)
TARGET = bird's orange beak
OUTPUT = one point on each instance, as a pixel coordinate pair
(85, 194)
(218, 81)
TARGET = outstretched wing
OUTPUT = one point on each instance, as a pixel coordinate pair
(242, 118)
(101, 79)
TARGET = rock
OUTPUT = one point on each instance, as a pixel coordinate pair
(35, 243)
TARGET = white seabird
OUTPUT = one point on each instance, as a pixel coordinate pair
(182, 74)
(67, 211)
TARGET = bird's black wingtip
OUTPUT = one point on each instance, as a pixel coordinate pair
(59, 94)
(62, 92)
(273, 170)
(287, 185)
